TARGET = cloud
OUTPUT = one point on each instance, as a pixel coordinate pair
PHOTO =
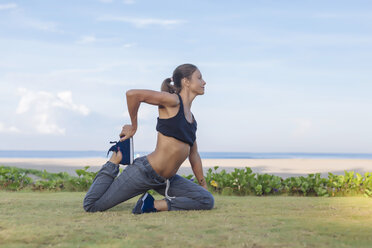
(87, 39)
(8, 6)
(40, 107)
(4, 129)
(128, 45)
(64, 100)
(46, 126)
(142, 22)
(90, 39)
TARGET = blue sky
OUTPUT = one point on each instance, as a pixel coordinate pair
(282, 76)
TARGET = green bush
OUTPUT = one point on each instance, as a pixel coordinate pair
(238, 182)
(13, 179)
(244, 182)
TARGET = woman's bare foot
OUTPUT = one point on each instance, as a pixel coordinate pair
(116, 157)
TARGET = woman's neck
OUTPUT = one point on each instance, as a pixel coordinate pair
(187, 98)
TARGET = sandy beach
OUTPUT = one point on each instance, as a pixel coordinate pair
(280, 167)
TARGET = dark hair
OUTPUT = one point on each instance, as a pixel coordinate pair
(182, 71)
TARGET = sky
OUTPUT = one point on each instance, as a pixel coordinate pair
(282, 76)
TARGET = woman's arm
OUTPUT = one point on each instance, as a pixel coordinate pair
(196, 165)
(134, 99)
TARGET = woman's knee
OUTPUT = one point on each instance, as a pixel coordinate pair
(88, 208)
(90, 205)
(207, 201)
(92, 208)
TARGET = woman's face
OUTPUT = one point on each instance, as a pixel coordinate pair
(197, 83)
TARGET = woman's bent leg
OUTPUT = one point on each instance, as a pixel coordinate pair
(106, 191)
(187, 195)
(101, 183)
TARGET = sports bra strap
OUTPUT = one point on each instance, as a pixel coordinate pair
(181, 103)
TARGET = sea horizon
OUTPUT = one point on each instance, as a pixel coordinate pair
(204, 155)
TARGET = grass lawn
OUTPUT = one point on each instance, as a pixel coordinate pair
(45, 219)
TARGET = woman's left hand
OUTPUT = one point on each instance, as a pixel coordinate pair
(205, 186)
(203, 183)
(127, 132)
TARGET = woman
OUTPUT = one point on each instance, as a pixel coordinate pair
(176, 141)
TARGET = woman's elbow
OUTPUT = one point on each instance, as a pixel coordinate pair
(135, 94)
(130, 93)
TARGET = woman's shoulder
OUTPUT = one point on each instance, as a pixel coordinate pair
(170, 100)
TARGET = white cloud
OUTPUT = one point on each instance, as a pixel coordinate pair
(128, 45)
(8, 6)
(142, 22)
(87, 39)
(46, 126)
(5, 129)
(40, 106)
(67, 103)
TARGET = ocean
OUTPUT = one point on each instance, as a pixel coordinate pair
(206, 155)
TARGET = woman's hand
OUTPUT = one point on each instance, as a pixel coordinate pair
(127, 131)
(203, 183)
(205, 186)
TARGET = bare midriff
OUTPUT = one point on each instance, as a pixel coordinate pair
(168, 156)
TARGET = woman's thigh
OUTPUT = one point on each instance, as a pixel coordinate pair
(130, 183)
(186, 195)
(180, 186)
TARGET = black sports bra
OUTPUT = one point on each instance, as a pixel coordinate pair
(178, 127)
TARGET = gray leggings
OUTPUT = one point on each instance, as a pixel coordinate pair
(107, 191)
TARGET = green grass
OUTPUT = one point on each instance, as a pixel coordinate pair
(49, 219)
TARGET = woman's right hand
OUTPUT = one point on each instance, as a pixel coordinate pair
(127, 131)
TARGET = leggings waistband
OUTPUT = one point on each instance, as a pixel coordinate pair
(144, 161)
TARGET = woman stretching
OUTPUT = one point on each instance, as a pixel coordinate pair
(176, 141)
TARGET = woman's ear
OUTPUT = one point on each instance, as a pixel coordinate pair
(185, 82)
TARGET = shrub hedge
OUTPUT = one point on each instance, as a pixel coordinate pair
(238, 182)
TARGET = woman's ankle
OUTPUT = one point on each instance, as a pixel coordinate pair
(161, 205)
